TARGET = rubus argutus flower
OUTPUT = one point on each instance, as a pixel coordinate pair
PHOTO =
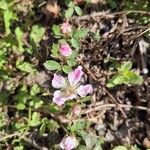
(66, 28)
(65, 50)
(68, 143)
(69, 88)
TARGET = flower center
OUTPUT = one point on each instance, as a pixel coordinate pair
(68, 91)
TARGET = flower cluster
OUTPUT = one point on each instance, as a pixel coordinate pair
(68, 143)
(69, 88)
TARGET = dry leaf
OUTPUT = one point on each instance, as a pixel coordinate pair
(51, 9)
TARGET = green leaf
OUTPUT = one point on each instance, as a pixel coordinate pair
(96, 36)
(2, 58)
(37, 34)
(25, 66)
(126, 66)
(81, 33)
(54, 50)
(8, 16)
(116, 80)
(19, 37)
(69, 12)
(77, 126)
(52, 65)
(42, 129)
(120, 148)
(78, 10)
(71, 62)
(132, 78)
(56, 31)
(20, 106)
(66, 69)
(35, 102)
(75, 43)
(3, 5)
(35, 121)
(35, 89)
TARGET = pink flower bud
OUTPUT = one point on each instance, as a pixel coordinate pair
(65, 50)
(68, 143)
(76, 110)
(66, 28)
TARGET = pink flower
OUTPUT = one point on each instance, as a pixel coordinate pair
(65, 50)
(69, 89)
(68, 143)
(66, 28)
(76, 110)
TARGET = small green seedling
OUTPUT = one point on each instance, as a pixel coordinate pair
(71, 9)
(125, 76)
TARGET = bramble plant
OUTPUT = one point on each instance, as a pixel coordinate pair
(125, 76)
(64, 54)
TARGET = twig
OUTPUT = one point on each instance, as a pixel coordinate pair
(33, 144)
(9, 136)
(108, 15)
(45, 112)
(109, 106)
(110, 95)
(115, 101)
(88, 71)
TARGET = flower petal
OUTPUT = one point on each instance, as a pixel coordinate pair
(58, 81)
(65, 50)
(58, 98)
(75, 76)
(68, 143)
(83, 90)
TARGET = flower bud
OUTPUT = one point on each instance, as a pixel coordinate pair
(76, 110)
(66, 28)
(65, 50)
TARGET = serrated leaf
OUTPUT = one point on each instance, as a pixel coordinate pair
(8, 16)
(37, 34)
(126, 66)
(25, 66)
(19, 37)
(116, 80)
(35, 89)
(54, 50)
(69, 12)
(66, 69)
(75, 43)
(78, 10)
(52, 65)
(71, 62)
(56, 31)
(81, 33)
(35, 120)
(36, 102)
(78, 126)
(132, 78)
